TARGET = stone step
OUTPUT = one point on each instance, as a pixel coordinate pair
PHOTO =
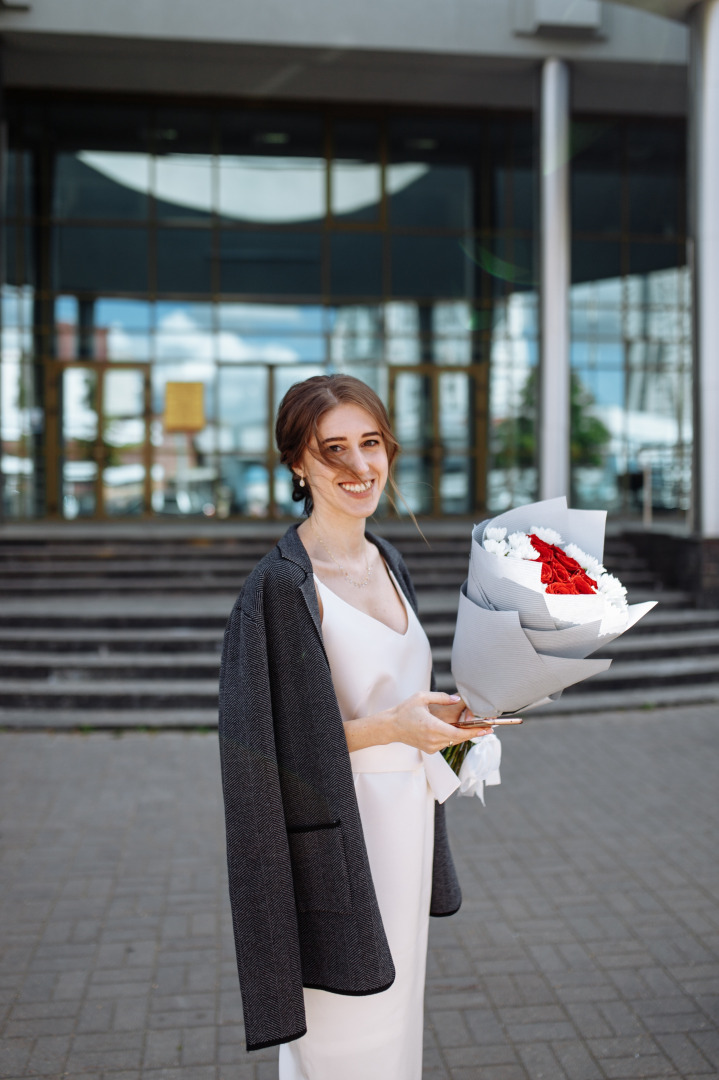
(67, 641)
(608, 700)
(100, 682)
(636, 674)
(192, 581)
(69, 647)
(150, 610)
(81, 667)
(631, 647)
(106, 694)
(33, 718)
(38, 718)
(631, 673)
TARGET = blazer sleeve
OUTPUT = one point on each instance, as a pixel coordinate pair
(262, 900)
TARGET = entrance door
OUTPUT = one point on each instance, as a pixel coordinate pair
(439, 415)
(103, 460)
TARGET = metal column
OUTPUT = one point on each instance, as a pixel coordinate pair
(554, 382)
(704, 256)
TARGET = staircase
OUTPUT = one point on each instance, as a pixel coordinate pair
(119, 626)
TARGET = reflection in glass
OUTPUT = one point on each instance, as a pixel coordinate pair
(285, 377)
(402, 345)
(431, 266)
(80, 429)
(184, 334)
(19, 255)
(646, 258)
(437, 196)
(18, 200)
(19, 418)
(631, 401)
(126, 326)
(355, 174)
(184, 470)
(101, 184)
(270, 263)
(596, 188)
(184, 260)
(272, 169)
(183, 187)
(277, 191)
(430, 179)
(512, 474)
(275, 319)
(454, 410)
(356, 264)
(355, 336)
(596, 261)
(242, 409)
(413, 479)
(124, 435)
(411, 409)
(99, 259)
(455, 489)
(656, 156)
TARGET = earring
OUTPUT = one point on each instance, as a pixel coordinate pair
(302, 481)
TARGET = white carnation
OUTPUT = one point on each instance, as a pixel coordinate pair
(587, 562)
(520, 547)
(612, 589)
(496, 547)
(548, 535)
(494, 534)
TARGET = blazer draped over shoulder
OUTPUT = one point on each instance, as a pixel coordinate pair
(304, 910)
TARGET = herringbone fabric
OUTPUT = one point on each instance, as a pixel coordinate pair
(303, 904)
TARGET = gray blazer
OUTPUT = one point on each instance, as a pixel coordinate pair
(304, 910)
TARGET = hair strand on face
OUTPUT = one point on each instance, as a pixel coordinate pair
(297, 428)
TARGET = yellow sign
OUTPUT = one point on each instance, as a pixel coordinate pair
(184, 406)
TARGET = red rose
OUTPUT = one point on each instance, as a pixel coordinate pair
(560, 573)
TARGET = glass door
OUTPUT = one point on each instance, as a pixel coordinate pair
(439, 415)
(104, 453)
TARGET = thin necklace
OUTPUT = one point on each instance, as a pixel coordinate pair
(357, 584)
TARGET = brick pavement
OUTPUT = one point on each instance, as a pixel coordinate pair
(587, 947)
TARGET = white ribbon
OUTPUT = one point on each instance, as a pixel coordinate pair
(441, 777)
(481, 766)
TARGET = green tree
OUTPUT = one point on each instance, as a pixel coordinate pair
(514, 438)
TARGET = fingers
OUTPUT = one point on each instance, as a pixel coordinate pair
(434, 697)
(449, 734)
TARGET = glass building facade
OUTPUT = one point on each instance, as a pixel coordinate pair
(244, 248)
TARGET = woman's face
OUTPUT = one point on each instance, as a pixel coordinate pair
(351, 438)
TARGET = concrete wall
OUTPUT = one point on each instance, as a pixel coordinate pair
(476, 27)
(459, 52)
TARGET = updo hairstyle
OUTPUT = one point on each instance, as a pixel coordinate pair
(300, 412)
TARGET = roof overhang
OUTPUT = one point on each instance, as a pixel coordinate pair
(670, 9)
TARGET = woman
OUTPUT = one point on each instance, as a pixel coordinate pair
(337, 850)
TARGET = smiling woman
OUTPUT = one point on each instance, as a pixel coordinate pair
(330, 734)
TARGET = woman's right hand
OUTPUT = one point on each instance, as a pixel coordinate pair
(411, 722)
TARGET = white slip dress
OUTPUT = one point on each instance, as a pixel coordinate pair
(379, 1036)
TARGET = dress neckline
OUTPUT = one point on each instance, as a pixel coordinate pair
(372, 618)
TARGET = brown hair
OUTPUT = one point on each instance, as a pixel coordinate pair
(301, 410)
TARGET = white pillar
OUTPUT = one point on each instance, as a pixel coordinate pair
(704, 234)
(554, 289)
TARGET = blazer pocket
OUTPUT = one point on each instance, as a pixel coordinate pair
(319, 868)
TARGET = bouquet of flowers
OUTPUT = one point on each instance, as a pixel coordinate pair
(536, 604)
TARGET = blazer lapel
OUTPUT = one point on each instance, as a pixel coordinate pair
(292, 548)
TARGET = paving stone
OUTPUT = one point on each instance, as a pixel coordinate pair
(541, 1063)
(576, 1061)
(587, 947)
(684, 1054)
